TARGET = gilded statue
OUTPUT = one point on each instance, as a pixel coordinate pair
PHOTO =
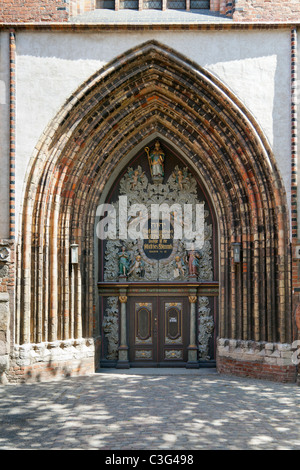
(156, 158)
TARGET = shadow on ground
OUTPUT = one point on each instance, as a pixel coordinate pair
(126, 411)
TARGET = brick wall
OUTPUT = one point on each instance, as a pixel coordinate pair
(254, 370)
(259, 360)
(7, 286)
(20, 11)
(52, 361)
(266, 10)
(78, 7)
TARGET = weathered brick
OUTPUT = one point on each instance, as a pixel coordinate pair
(261, 10)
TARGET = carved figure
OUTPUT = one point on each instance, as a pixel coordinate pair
(138, 267)
(181, 177)
(135, 177)
(123, 262)
(156, 160)
(193, 262)
(179, 267)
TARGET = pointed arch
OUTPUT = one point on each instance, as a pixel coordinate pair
(152, 89)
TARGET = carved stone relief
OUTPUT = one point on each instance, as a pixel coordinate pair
(139, 354)
(173, 354)
(205, 327)
(4, 253)
(111, 327)
(134, 257)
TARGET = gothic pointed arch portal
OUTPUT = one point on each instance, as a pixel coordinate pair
(152, 90)
(170, 281)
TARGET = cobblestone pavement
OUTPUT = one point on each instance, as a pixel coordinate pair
(151, 410)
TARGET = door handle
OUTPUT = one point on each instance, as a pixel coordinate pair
(155, 324)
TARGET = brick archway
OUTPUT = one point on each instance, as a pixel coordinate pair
(152, 89)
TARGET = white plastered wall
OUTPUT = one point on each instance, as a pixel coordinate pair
(255, 65)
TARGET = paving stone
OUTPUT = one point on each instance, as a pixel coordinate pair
(151, 410)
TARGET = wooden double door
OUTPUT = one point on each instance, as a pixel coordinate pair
(158, 331)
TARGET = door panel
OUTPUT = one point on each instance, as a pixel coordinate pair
(143, 323)
(174, 323)
(158, 330)
(142, 333)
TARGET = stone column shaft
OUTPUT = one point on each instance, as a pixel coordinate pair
(123, 362)
(192, 349)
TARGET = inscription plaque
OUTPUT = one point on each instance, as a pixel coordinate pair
(159, 247)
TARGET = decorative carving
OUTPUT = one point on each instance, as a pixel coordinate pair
(205, 327)
(111, 327)
(173, 341)
(173, 354)
(123, 299)
(135, 177)
(111, 258)
(132, 187)
(180, 189)
(4, 253)
(192, 299)
(143, 341)
(139, 354)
